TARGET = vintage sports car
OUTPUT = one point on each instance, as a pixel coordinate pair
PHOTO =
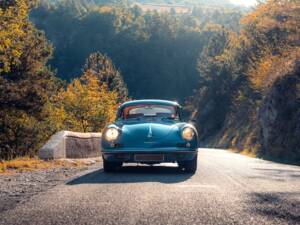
(150, 132)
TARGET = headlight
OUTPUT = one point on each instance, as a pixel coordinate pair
(188, 133)
(111, 134)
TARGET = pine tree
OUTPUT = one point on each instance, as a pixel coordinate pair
(102, 66)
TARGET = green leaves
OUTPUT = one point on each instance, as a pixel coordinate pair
(156, 53)
(12, 32)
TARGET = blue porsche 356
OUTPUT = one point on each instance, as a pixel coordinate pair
(150, 132)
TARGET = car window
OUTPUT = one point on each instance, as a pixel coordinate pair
(150, 111)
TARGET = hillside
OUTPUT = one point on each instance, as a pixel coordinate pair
(158, 50)
(235, 70)
(249, 89)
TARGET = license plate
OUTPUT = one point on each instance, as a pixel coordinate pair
(149, 158)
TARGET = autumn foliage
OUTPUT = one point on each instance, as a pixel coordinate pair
(86, 105)
(248, 97)
(272, 33)
(245, 76)
(34, 102)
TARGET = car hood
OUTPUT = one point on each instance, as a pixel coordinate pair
(149, 135)
(147, 131)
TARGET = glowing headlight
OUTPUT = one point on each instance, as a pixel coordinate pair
(188, 133)
(111, 134)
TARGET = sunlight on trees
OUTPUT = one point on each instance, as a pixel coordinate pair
(152, 49)
(13, 23)
(242, 73)
(272, 33)
(86, 105)
(29, 114)
(102, 67)
(25, 81)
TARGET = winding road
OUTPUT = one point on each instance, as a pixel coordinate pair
(228, 188)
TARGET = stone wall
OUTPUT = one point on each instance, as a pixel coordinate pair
(66, 144)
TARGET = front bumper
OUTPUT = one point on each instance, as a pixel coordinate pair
(170, 155)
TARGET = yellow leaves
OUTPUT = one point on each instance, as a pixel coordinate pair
(13, 21)
(254, 15)
(284, 16)
(259, 72)
(271, 39)
(266, 69)
(85, 106)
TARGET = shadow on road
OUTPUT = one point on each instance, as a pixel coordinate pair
(134, 174)
(283, 206)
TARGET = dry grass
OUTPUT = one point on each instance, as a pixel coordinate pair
(245, 152)
(25, 164)
(248, 153)
(2, 167)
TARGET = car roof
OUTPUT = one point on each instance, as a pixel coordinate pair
(149, 102)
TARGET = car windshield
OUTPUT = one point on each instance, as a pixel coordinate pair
(156, 111)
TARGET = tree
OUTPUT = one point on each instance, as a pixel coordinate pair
(25, 81)
(211, 101)
(271, 38)
(249, 84)
(102, 67)
(156, 52)
(87, 105)
(13, 22)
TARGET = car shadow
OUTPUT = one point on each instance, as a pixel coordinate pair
(134, 174)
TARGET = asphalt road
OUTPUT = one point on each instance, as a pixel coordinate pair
(228, 188)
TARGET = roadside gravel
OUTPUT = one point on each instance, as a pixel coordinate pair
(18, 187)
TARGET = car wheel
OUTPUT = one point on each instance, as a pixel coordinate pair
(189, 166)
(110, 166)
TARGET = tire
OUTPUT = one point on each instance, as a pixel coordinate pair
(189, 166)
(109, 167)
